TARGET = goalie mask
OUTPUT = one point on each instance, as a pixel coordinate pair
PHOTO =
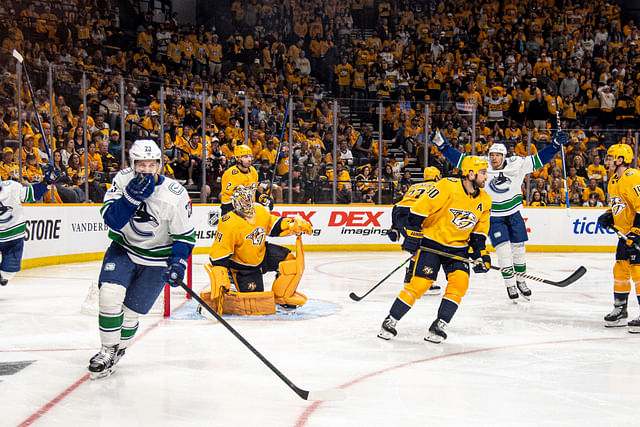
(242, 200)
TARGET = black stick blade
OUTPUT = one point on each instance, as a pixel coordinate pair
(354, 297)
(569, 280)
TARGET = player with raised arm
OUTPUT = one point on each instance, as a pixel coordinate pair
(400, 214)
(240, 253)
(508, 232)
(623, 215)
(149, 220)
(453, 217)
(241, 174)
(12, 225)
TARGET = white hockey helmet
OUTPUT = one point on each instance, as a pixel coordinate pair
(144, 149)
(498, 148)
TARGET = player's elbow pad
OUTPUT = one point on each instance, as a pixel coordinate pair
(118, 213)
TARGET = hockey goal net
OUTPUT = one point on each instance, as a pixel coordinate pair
(162, 306)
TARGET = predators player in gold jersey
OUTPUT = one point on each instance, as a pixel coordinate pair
(452, 216)
(241, 254)
(401, 211)
(623, 215)
(241, 174)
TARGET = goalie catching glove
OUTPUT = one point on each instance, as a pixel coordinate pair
(295, 225)
(479, 254)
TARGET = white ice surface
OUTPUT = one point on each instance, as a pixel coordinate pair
(547, 362)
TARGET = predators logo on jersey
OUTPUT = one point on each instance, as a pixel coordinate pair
(463, 219)
(257, 236)
(617, 205)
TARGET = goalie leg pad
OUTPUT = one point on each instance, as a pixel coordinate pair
(111, 315)
(240, 303)
(290, 273)
(219, 280)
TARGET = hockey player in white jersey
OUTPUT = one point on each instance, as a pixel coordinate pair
(148, 216)
(12, 225)
(508, 232)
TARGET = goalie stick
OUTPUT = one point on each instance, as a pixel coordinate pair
(561, 284)
(355, 297)
(319, 395)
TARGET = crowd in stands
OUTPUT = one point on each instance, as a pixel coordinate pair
(515, 65)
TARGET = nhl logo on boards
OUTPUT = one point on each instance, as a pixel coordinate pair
(213, 218)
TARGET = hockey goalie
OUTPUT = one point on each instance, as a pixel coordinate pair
(240, 255)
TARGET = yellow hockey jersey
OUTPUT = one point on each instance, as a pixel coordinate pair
(243, 239)
(624, 196)
(233, 177)
(414, 192)
(452, 214)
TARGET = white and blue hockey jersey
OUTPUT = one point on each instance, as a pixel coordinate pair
(504, 185)
(162, 219)
(12, 195)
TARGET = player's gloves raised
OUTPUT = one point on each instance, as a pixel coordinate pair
(412, 242)
(560, 138)
(175, 271)
(393, 234)
(51, 175)
(606, 221)
(140, 188)
(439, 139)
(266, 201)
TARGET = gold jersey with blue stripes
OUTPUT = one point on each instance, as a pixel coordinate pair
(452, 214)
(624, 196)
(243, 239)
(414, 192)
(234, 177)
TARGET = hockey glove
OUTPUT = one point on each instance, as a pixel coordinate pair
(439, 139)
(393, 234)
(560, 138)
(266, 201)
(51, 175)
(175, 272)
(633, 238)
(412, 242)
(482, 263)
(606, 220)
(296, 225)
(140, 188)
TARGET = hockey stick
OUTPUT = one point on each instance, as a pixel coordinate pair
(319, 395)
(561, 284)
(20, 59)
(564, 164)
(275, 163)
(355, 297)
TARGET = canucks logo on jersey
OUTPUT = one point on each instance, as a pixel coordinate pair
(617, 205)
(463, 219)
(4, 210)
(496, 183)
(143, 219)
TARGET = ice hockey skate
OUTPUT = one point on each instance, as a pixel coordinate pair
(103, 363)
(388, 329)
(523, 289)
(3, 281)
(616, 317)
(512, 293)
(436, 333)
(634, 325)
